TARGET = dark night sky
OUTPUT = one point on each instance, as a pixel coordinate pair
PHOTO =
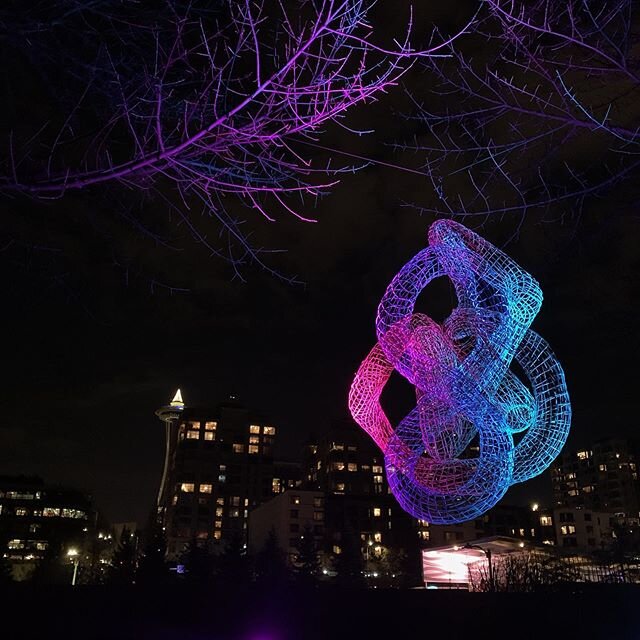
(87, 359)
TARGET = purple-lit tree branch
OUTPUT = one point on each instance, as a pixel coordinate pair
(213, 102)
(538, 108)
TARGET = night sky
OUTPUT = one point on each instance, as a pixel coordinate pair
(89, 355)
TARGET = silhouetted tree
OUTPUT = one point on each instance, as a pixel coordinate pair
(51, 569)
(198, 563)
(270, 563)
(348, 563)
(152, 567)
(308, 562)
(234, 565)
(123, 562)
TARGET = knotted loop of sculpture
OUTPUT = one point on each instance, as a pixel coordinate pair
(465, 390)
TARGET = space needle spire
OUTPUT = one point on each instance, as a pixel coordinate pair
(169, 414)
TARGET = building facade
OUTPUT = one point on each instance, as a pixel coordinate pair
(602, 477)
(219, 465)
(346, 466)
(289, 515)
(36, 519)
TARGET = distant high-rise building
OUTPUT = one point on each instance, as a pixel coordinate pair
(218, 466)
(349, 469)
(36, 518)
(602, 477)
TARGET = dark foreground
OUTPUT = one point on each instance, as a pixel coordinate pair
(90, 613)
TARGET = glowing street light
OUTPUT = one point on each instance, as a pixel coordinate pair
(73, 554)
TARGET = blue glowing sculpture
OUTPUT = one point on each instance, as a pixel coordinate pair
(466, 392)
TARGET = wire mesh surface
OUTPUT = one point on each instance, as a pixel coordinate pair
(468, 398)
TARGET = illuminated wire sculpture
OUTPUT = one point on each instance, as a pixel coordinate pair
(465, 389)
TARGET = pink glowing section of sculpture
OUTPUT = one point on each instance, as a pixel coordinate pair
(468, 399)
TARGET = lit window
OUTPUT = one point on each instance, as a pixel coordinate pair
(377, 512)
(269, 431)
(352, 466)
(220, 501)
(194, 424)
(337, 447)
(210, 426)
(254, 439)
(21, 512)
(235, 501)
(567, 529)
(546, 521)
(254, 448)
(49, 512)
(295, 499)
(33, 528)
(174, 500)
(423, 535)
(222, 478)
(193, 435)
(377, 479)
(337, 466)
(219, 512)
(206, 488)
(217, 535)
(41, 545)
(15, 544)
(275, 485)
(339, 486)
(187, 487)
(377, 468)
(602, 467)
(209, 435)
(238, 448)
(336, 549)
(234, 513)
(246, 502)
(573, 492)
(73, 513)
(583, 455)
(218, 524)
(377, 537)
(254, 428)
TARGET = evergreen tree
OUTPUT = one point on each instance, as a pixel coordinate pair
(198, 563)
(308, 563)
(270, 564)
(123, 562)
(233, 564)
(152, 568)
(348, 563)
